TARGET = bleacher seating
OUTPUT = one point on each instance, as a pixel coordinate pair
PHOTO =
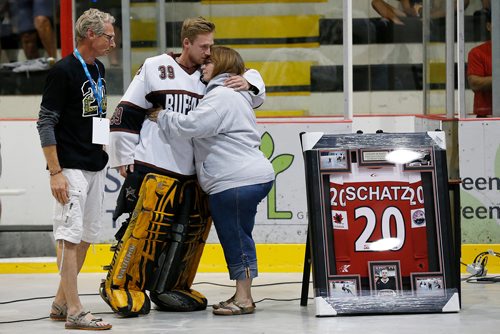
(266, 41)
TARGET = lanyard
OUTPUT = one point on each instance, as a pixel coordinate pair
(96, 91)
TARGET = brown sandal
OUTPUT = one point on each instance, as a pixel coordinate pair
(223, 303)
(80, 321)
(234, 308)
(60, 314)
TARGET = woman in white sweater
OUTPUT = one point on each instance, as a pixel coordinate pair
(230, 168)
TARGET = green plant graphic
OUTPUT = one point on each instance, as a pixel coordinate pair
(280, 164)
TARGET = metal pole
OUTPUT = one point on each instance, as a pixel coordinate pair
(160, 26)
(347, 35)
(461, 59)
(426, 23)
(126, 44)
(450, 58)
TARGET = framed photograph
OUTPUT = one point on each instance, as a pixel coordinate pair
(423, 160)
(343, 286)
(385, 278)
(381, 221)
(335, 160)
(427, 284)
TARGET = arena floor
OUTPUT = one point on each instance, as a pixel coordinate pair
(278, 312)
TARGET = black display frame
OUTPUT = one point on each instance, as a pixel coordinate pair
(443, 257)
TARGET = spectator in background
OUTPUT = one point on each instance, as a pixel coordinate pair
(394, 14)
(485, 7)
(8, 40)
(32, 19)
(408, 8)
(486, 4)
(479, 74)
(438, 8)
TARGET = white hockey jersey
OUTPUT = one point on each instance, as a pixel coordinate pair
(160, 82)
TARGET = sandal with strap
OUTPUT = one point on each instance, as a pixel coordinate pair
(58, 312)
(80, 321)
(225, 303)
(234, 308)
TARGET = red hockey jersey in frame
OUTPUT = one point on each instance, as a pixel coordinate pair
(378, 215)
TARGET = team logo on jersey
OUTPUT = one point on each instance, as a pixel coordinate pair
(130, 194)
(116, 119)
(339, 220)
(343, 268)
(182, 102)
(418, 218)
(89, 102)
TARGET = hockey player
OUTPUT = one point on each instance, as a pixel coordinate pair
(138, 148)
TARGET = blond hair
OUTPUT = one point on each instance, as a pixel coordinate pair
(92, 19)
(226, 60)
(193, 27)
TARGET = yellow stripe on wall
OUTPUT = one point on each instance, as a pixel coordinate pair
(273, 258)
(241, 2)
(266, 26)
(283, 73)
(143, 30)
(280, 113)
(245, 28)
(437, 73)
(280, 74)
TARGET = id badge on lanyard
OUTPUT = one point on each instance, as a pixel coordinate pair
(100, 130)
(100, 125)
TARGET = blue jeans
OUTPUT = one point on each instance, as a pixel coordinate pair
(233, 212)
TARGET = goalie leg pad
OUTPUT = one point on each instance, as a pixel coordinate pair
(179, 300)
(179, 260)
(134, 258)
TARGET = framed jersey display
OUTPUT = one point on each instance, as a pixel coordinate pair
(380, 233)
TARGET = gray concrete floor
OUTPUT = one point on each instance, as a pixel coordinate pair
(480, 310)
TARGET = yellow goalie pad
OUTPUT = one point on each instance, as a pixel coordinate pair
(161, 248)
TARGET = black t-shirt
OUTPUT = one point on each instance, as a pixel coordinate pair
(68, 93)
(390, 284)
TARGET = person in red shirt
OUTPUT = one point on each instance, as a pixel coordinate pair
(479, 74)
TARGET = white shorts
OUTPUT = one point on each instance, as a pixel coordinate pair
(80, 219)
